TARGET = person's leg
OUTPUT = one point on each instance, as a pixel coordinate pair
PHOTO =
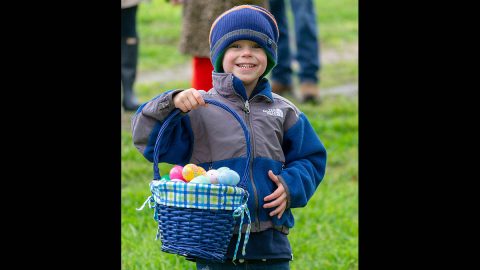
(129, 51)
(308, 52)
(203, 265)
(270, 266)
(282, 72)
(202, 73)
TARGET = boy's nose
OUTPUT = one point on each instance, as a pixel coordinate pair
(246, 52)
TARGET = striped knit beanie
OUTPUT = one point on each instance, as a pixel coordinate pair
(245, 22)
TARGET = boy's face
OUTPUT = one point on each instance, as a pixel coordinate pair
(246, 60)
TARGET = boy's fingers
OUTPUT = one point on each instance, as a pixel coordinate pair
(273, 177)
(183, 108)
(180, 103)
(192, 100)
(274, 212)
(275, 194)
(199, 98)
(187, 104)
(284, 206)
(279, 210)
(276, 202)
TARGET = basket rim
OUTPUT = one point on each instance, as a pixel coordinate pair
(196, 195)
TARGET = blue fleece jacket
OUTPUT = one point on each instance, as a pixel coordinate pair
(282, 140)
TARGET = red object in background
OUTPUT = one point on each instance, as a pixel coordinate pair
(202, 73)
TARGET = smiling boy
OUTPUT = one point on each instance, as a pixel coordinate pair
(288, 159)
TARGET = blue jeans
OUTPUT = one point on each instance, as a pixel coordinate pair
(284, 265)
(306, 35)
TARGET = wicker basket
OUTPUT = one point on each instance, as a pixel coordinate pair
(197, 220)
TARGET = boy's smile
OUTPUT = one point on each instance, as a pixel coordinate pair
(247, 61)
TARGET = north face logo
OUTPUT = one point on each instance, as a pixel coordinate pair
(274, 112)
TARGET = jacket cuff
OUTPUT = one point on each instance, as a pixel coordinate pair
(162, 106)
(285, 186)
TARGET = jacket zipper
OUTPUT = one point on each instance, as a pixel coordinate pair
(255, 193)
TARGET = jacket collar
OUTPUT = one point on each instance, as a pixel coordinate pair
(227, 85)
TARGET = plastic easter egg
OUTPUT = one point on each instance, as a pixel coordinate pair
(201, 179)
(178, 180)
(191, 171)
(229, 177)
(224, 178)
(188, 172)
(176, 172)
(235, 178)
(221, 169)
(201, 171)
(213, 176)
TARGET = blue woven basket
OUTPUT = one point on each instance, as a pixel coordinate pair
(197, 220)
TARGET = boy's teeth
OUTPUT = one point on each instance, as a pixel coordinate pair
(246, 66)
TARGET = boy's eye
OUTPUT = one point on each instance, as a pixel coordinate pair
(239, 46)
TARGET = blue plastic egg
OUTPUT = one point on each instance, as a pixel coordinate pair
(228, 177)
(221, 169)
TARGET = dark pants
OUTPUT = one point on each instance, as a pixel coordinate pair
(228, 265)
(129, 22)
(129, 51)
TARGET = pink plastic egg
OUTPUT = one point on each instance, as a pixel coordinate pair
(176, 172)
(213, 176)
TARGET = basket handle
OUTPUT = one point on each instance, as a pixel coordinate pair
(156, 172)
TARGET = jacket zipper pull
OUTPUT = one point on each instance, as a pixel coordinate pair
(247, 107)
(210, 166)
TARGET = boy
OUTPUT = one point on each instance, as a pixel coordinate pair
(287, 158)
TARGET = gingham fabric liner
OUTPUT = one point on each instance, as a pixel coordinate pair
(200, 196)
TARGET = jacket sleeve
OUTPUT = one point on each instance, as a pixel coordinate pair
(177, 140)
(305, 162)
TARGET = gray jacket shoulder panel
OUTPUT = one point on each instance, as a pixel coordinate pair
(291, 111)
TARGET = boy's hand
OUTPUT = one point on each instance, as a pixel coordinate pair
(279, 195)
(188, 100)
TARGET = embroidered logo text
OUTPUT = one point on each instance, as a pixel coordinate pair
(274, 112)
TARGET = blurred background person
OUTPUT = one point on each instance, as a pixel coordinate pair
(307, 49)
(198, 16)
(129, 51)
